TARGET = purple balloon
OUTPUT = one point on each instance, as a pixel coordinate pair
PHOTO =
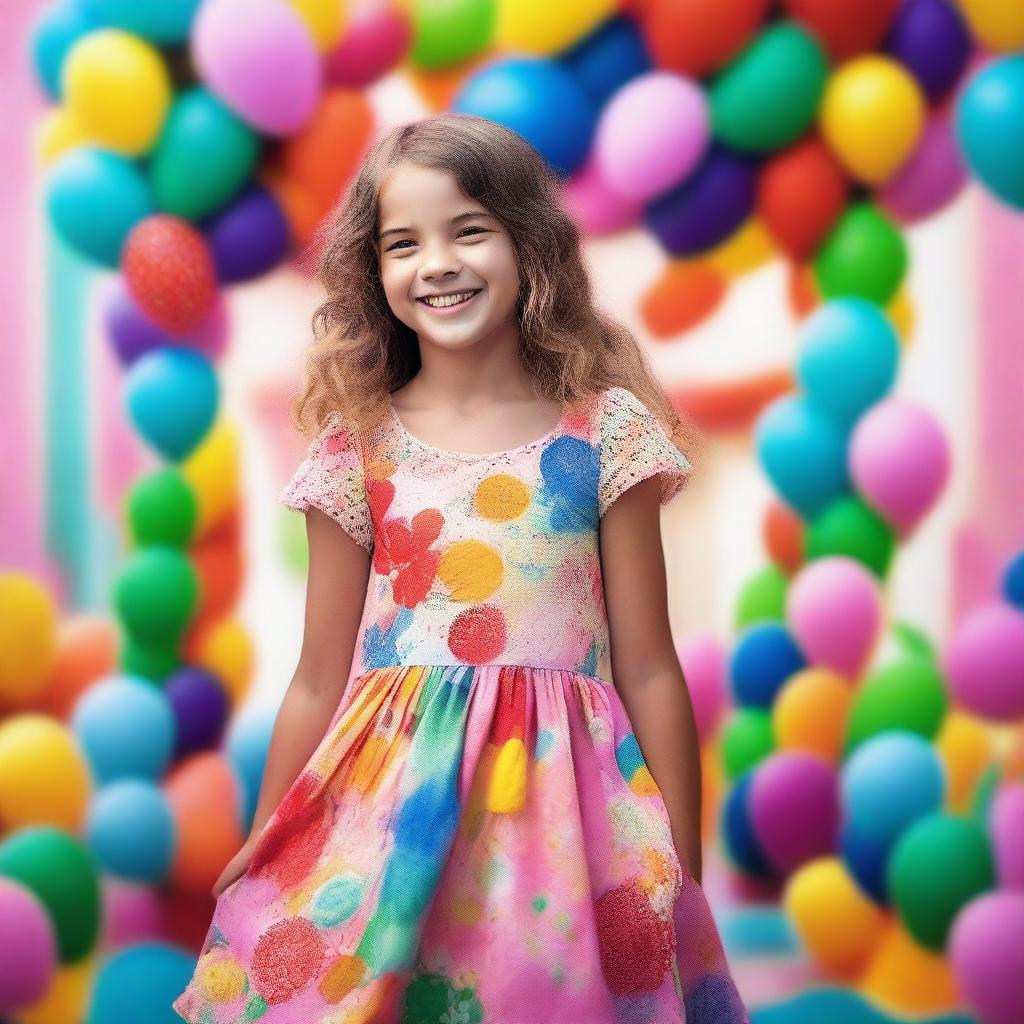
(709, 206)
(249, 238)
(1006, 821)
(930, 39)
(200, 705)
(794, 808)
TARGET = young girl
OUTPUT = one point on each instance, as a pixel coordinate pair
(481, 802)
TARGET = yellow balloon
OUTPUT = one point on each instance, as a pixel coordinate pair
(872, 115)
(744, 250)
(67, 998)
(547, 28)
(225, 649)
(212, 472)
(999, 24)
(811, 712)
(119, 88)
(28, 638)
(835, 920)
(965, 746)
(902, 314)
(325, 20)
(44, 777)
(59, 132)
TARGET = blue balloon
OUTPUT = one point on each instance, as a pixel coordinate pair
(94, 199)
(540, 100)
(130, 829)
(608, 58)
(56, 30)
(764, 657)
(849, 354)
(126, 729)
(889, 782)
(250, 237)
(990, 127)
(247, 747)
(931, 39)
(162, 21)
(1013, 581)
(803, 451)
(140, 983)
(738, 833)
(172, 398)
(866, 860)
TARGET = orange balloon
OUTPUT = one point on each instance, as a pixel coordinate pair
(438, 88)
(803, 293)
(220, 569)
(302, 211)
(686, 293)
(733, 404)
(782, 532)
(87, 650)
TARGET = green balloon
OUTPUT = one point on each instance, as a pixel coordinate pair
(294, 543)
(748, 738)
(156, 594)
(865, 254)
(204, 155)
(149, 661)
(939, 864)
(763, 597)
(450, 31)
(162, 509)
(906, 694)
(769, 95)
(55, 866)
(849, 527)
(912, 639)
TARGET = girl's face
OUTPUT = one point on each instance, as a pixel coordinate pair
(435, 240)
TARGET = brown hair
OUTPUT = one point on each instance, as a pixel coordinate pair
(362, 352)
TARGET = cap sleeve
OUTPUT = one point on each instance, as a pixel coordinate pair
(330, 477)
(635, 446)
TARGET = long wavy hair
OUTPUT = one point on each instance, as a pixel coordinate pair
(361, 351)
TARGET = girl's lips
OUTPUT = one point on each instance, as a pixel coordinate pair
(448, 310)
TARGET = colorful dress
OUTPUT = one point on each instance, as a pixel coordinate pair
(476, 839)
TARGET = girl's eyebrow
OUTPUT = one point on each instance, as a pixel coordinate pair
(461, 216)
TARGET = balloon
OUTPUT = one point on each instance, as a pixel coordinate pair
(126, 729)
(848, 527)
(866, 858)
(848, 357)
(131, 831)
(528, 27)
(59, 132)
(1013, 581)
(765, 656)
(94, 200)
(219, 563)
(930, 39)
(200, 708)
(803, 452)
(907, 694)
(325, 20)
(146, 977)
(594, 205)
(651, 135)
(55, 31)
(131, 913)
(249, 238)
(86, 651)
(1006, 821)
(247, 745)
(990, 126)
(172, 399)
(164, 21)
(889, 782)
(448, 34)
(801, 193)
(810, 713)
(374, 40)
(119, 88)
(704, 665)
(998, 25)
(520, 93)
(845, 27)
(966, 749)
(985, 662)
(30, 948)
(608, 58)
(151, 661)
(156, 593)
(986, 950)
(738, 836)
(744, 250)
(212, 473)
(28, 632)
(258, 56)
(900, 461)
(162, 509)
(782, 534)
(768, 96)
(763, 597)
(747, 739)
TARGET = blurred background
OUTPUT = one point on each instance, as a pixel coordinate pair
(809, 211)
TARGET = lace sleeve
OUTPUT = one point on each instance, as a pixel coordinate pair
(331, 478)
(635, 446)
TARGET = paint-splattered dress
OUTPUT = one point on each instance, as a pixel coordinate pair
(476, 839)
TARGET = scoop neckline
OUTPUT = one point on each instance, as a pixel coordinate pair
(455, 453)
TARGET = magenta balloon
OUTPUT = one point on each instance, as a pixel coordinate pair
(651, 134)
(986, 951)
(899, 461)
(1006, 822)
(985, 662)
(834, 610)
(595, 207)
(375, 40)
(930, 179)
(794, 808)
(29, 944)
(131, 913)
(705, 664)
(260, 59)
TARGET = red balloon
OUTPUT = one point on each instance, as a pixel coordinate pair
(697, 37)
(845, 27)
(800, 195)
(169, 271)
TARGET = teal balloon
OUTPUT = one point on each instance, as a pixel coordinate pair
(130, 830)
(990, 127)
(94, 199)
(172, 399)
(146, 977)
(56, 29)
(203, 158)
(803, 452)
(156, 594)
(161, 21)
(769, 95)
(849, 354)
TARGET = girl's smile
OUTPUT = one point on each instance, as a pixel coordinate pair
(450, 303)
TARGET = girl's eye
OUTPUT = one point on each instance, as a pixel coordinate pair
(470, 228)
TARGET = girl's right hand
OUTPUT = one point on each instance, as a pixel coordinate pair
(235, 867)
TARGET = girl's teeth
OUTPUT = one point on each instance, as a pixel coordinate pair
(449, 300)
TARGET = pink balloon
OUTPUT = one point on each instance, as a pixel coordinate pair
(29, 944)
(705, 665)
(1006, 822)
(794, 808)
(260, 59)
(595, 207)
(931, 178)
(986, 951)
(131, 913)
(899, 460)
(834, 610)
(376, 38)
(985, 662)
(651, 134)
